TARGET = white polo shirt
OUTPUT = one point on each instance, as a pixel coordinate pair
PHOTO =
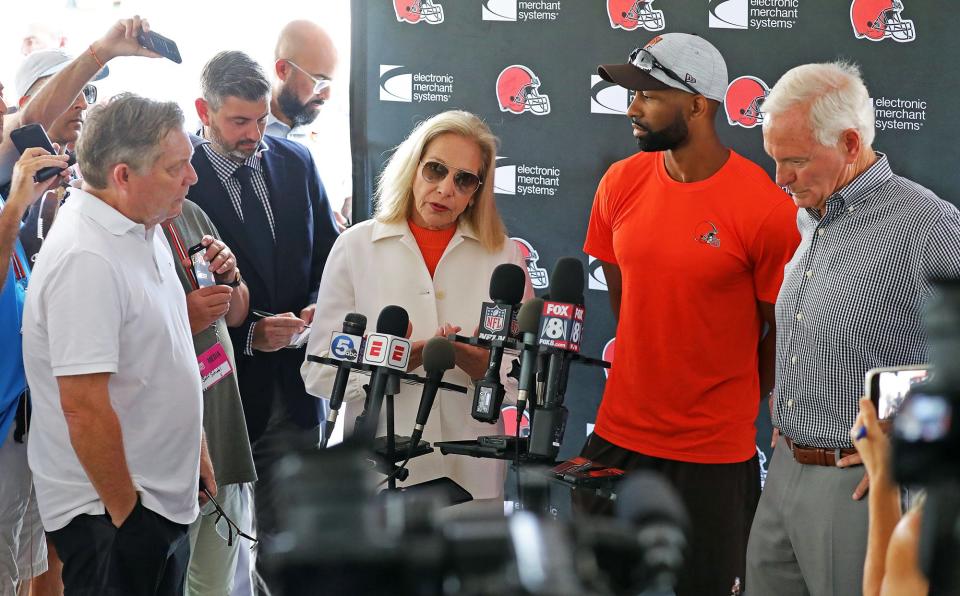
(105, 297)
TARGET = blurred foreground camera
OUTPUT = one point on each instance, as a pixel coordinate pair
(341, 537)
(926, 442)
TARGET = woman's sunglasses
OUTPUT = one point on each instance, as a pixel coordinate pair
(465, 182)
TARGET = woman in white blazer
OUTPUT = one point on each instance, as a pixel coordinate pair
(434, 242)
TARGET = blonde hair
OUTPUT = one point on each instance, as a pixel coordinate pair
(837, 97)
(394, 197)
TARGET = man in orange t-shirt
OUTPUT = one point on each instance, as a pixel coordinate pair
(693, 239)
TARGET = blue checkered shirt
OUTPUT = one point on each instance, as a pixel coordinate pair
(853, 295)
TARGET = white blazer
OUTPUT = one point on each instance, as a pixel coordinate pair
(373, 265)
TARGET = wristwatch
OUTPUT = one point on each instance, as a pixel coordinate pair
(237, 280)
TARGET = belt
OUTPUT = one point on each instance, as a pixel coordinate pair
(817, 456)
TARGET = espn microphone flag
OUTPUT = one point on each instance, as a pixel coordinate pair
(388, 351)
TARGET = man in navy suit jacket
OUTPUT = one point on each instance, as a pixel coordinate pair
(267, 201)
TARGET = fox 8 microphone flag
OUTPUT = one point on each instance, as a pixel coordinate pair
(561, 326)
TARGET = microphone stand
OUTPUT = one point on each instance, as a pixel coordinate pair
(393, 387)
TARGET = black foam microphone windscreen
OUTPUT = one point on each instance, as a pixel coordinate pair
(438, 355)
(528, 319)
(393, 320)
(354, 323)
(507, 284)
(566, 281)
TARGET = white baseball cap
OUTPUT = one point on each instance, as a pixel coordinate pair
(44, 63)
(672, 61)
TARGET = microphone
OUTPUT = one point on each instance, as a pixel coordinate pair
(388, 351)
(344, 346)
(438, 358)
(506, 289)
(561, 328)
(528, 323)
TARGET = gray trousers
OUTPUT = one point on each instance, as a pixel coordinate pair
(809, 537)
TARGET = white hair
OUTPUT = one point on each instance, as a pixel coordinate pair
(836, 95)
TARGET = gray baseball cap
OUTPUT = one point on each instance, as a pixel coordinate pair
(672, 61)
(44, 63)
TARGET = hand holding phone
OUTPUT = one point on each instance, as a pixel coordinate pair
(24, 189)
(888, 387)
(164, 46)
(201, 268)
(33, 135)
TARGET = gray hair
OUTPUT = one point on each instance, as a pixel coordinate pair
(837, 97)
(233, 74)
(127, 130)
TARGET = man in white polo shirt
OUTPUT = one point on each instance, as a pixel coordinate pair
(117, 399)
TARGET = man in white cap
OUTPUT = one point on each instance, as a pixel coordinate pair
(34, 72)
(67, 81)
(692, 238)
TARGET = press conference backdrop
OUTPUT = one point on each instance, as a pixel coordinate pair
(414, 59)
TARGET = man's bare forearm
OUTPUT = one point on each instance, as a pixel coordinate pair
(767, 363)
(97, 438)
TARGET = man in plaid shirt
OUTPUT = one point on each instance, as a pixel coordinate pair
(851, 300)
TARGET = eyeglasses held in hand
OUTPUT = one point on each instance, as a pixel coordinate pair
(226, 528)
(318, 84)
(645, 61)
(465, 182)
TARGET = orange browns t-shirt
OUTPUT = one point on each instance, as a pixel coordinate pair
(695, 259)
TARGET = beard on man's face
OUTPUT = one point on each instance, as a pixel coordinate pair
(298, 112)
(667, 138)
(238, 151)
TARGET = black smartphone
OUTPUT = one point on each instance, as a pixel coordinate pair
(888, 387)
(33, 135)
(164, 46)
(201, 268)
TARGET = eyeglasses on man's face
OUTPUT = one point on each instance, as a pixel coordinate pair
(89, 92)
(318, 84)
